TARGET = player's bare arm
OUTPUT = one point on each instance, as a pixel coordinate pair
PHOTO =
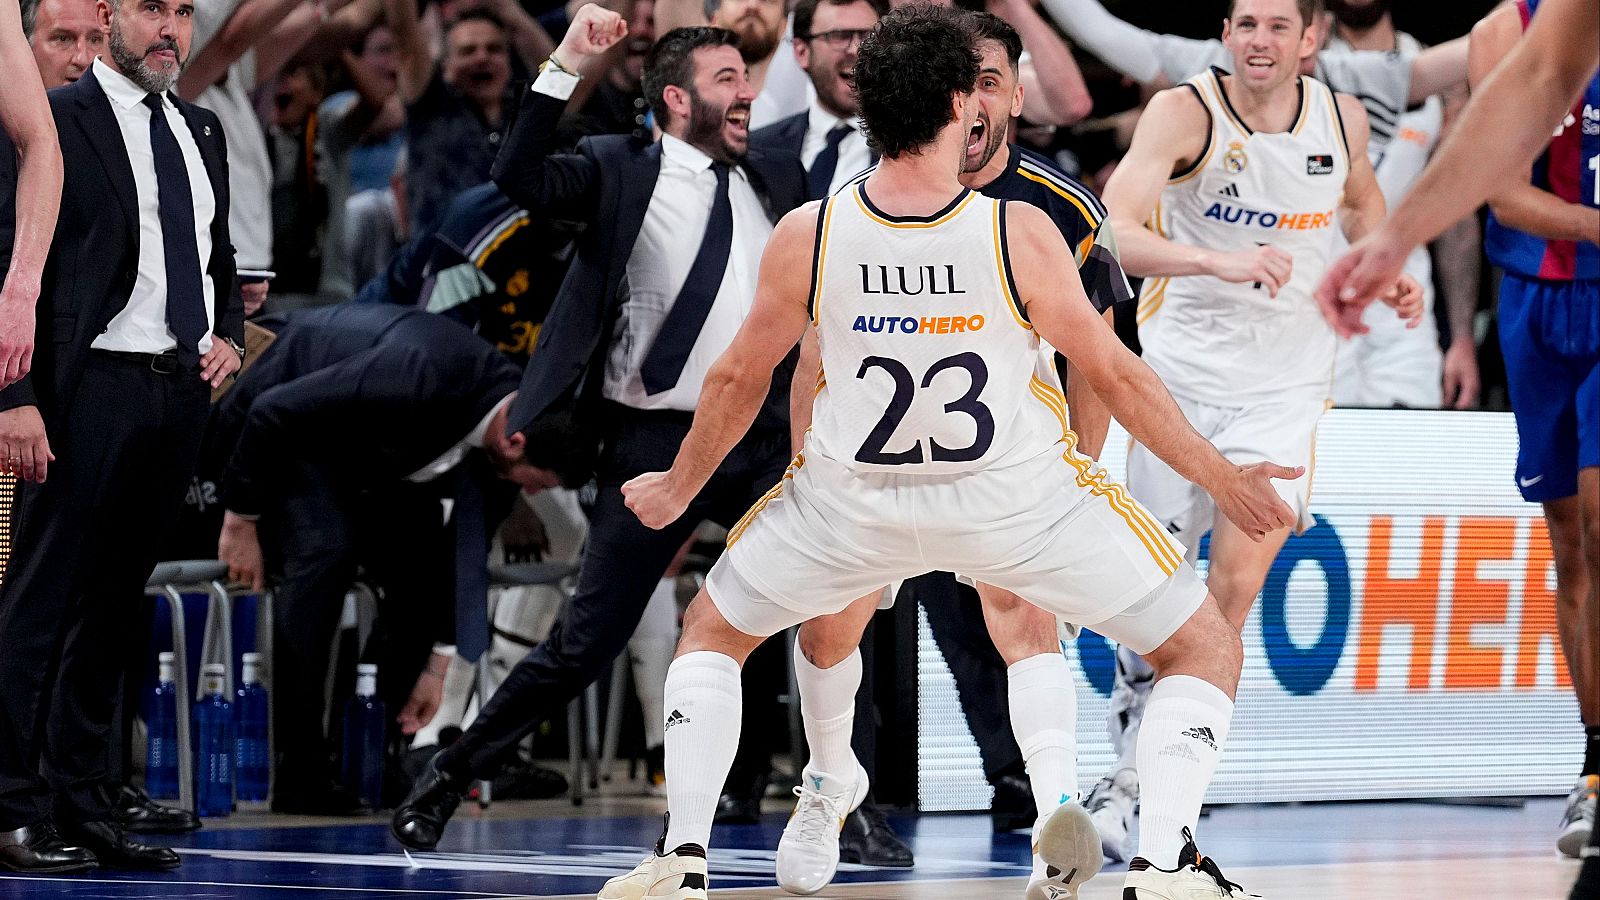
(1522, 205)
(1063, 316)
(1439, 69)
(1505, 126)
(25, 116)
(1170, 137)
(739, 379)
(1091, 418)
(1363, 207)
(803, 389)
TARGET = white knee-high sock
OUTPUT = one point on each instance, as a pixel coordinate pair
(828, 709)
(650, 650)
(704, 708)
(1044, 712)
(1185, 727)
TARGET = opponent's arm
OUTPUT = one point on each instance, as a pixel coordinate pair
(1170, 137)
(1504, 127)
(738, 381)
(1063, 315)
(1521, 205)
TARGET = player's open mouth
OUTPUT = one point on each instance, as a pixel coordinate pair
(1259, 63)
(975, 139)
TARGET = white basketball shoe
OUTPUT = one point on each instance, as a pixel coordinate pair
(1578, 820)
(1066, 853)
(679, 875)
(808, 852)
(1111, 806)
(1196, 878)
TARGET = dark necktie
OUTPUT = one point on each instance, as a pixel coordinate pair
(472, 578)
(820, 178)
(664, 363)
(186, 299)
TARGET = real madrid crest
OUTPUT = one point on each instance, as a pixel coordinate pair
(1235, 159)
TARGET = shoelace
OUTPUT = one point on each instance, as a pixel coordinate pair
(818, 814)
(1208, 866)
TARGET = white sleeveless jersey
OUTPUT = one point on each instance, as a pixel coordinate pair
(1234, 344)
(929, 364)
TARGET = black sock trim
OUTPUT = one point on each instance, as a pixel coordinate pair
(690, 850)
(1591, 750)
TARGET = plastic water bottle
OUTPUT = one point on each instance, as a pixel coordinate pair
(214, 773)
(363, 739)
(161, 757)
(250, 748)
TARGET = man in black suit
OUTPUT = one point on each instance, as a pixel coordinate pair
(828, 135)
(138, 318)
(342, 439)
(663, 277)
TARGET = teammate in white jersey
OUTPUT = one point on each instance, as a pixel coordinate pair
(940, 442)
(1245, 182)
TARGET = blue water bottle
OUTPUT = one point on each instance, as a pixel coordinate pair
(363, 739)
(250, 747)
(214, 773)
(161, 756)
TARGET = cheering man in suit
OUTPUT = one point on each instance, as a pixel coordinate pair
(828, 135)
(663, 277)
(342, 440)
(139, 317)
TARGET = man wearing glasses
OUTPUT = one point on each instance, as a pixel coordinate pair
(828, 134)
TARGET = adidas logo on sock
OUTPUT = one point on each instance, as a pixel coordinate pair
(1181, 751)
(677, 718)
(1203, 735)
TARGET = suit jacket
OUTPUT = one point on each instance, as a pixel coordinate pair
(94, 256)
(372, 392)
(607, 184)
(784, 135)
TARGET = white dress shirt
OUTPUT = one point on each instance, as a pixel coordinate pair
(458, 451)
(854, 156)
(141, 326)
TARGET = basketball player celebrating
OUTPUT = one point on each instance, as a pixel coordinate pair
(940, 442)
(1243, 180)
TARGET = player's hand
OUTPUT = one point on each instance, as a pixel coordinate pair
(16, 332)
(593, 31)
(1250, 501)
(1461, 381)
(254, 295)
(654, 500)
(24, 446)
(219, 362)
(1406, 300)
(1266, 267)
(1357, 278)
(426, 695)
(240, 547)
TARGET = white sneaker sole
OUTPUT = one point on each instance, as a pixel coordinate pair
(1572, 840)
(1068, 842)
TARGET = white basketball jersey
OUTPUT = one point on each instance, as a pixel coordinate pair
(929, 364)
(1234, 344)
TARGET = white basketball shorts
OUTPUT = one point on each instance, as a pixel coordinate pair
(1054, 530)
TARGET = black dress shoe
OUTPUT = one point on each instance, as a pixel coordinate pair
(138, 814)
(115, 850)
(742, 790)
(327, 798)
(868, 840)
(1013, 808)
(420, 819)
(38, 848)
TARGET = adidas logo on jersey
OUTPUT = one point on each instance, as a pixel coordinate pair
(1229, 190)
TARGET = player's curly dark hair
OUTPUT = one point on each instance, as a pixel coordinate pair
(906, 71)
